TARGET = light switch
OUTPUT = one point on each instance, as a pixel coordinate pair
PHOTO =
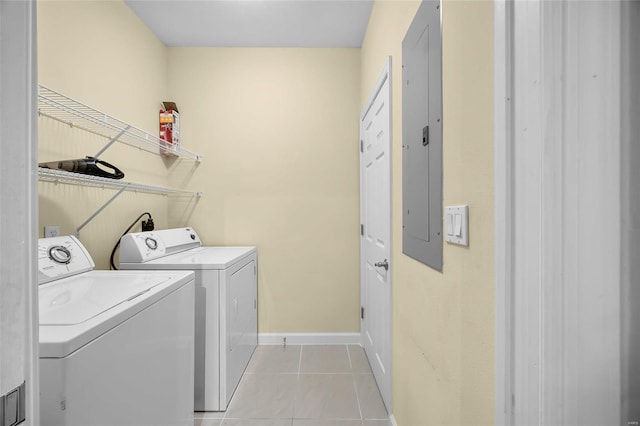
(12, 407)
(458, 226)
(457, 223)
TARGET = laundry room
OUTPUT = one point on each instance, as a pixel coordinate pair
(274, 129)
(321, 212)
(272, 155)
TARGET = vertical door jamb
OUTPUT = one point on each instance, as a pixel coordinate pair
(583, 26)
(503, 300)
(18, 137)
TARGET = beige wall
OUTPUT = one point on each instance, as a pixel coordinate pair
(100, 53)
(278, 129)
(443, 322)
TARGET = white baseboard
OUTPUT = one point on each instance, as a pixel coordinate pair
(393, 420)
(309, 338)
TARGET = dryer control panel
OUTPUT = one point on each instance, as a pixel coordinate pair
(140, 247)
(62, 257)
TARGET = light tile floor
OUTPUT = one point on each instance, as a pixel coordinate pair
(305, 385)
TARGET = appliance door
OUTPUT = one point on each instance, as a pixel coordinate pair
(240, 323)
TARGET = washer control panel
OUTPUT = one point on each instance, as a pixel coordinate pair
(60, 257)
(140, 247)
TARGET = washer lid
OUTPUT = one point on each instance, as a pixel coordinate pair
(60, 336)
(78, 299)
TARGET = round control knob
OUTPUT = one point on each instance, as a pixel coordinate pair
(193, 237)
(59, 254)
(151, 243)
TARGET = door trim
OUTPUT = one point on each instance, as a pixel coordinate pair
(384, 76)
(541, 369)
(503, 202)
(18, 134)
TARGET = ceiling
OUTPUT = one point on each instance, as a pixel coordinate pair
(256, 23)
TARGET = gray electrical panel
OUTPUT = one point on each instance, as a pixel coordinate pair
(422, 137)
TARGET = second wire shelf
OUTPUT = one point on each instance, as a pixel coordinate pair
(60, 176)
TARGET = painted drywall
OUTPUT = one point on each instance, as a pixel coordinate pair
(101, 54)
(443, 322)
(278, 129)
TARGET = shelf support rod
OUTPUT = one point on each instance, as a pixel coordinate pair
(112, 141)
(97, 212)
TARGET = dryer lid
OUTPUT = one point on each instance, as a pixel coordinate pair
(77, 299)
(201, 258)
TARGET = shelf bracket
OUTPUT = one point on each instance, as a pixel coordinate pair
(97, 212)
(112, 141)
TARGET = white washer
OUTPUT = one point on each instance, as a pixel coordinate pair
(226, 304)
(116, 348)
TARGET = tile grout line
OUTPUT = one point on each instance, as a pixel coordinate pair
(295, 393)
(352, 375)
(300, 360)
(358, 399)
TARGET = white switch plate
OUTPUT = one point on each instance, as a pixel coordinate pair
(456, 219)
(51, 231)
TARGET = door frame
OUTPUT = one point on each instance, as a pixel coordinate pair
(510, 311)
(18, 135)
(384, 76)
(503, 202)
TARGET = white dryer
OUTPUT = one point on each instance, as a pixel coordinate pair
(226, 327)
(116, 348)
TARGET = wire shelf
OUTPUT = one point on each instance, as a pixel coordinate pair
(61, 176)
(59, 107)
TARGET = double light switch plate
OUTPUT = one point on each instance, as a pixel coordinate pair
(456, 222)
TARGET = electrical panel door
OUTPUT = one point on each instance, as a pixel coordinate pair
(422, 137)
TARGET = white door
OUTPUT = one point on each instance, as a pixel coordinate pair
(375, 245)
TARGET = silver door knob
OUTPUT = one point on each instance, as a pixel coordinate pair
(384, 264)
